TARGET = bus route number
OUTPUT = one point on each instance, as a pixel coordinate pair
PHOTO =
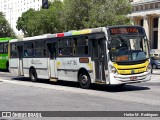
(72, 62)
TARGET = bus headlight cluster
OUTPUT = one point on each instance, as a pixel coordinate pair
(113, 69)
(149, 67)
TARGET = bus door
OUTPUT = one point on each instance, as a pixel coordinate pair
(52, 48)
(99, 58)
(20, 57)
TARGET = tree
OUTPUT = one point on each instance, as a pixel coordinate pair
(74, 15)
(95, 13)
(34, 23)
(109, 12)
(5, 29)
(52, 19)
(24, 20)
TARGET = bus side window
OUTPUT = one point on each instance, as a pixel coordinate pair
(74, 45)
(13, 50)
(40, 49)
(5, 47)
(65, 47)
(81, 46)
(25, 53)
(1, 47)
(29, 49)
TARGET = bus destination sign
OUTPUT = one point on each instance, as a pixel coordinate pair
(126, 30)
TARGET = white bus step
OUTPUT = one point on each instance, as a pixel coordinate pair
(53, 79)
(100, 81)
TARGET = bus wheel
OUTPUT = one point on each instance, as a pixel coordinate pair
(33, 75)
(84, 80)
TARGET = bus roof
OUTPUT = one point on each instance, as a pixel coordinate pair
(64, 34)
(70, 33)
(117, 26)
(5, 39)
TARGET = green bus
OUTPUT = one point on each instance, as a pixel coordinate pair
(4, 64)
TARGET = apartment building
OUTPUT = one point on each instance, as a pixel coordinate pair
(13, 9)
(147, 14)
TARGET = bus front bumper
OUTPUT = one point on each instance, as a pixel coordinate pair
(116, 79)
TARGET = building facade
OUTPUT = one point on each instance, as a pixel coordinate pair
(13, 9)
(147, 14)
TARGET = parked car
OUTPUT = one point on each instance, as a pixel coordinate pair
(155, 62)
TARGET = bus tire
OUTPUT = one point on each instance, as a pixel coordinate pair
(84, 80)
(33, 75)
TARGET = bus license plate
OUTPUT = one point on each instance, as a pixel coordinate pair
(133, 78)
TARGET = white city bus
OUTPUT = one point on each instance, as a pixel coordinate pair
(115, 55)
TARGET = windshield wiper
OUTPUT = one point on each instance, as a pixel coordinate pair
(122, 39)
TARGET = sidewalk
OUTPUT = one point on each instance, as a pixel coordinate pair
(156, 72)
(155, 77)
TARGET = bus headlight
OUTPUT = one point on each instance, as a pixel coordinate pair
(149, 67)
(113, 70)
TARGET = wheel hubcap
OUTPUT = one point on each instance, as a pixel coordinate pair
(33, 75)
(84, 79)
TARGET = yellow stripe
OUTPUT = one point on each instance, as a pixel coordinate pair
(85, 31)
(125, 72)
(131, 69)
(124, 67)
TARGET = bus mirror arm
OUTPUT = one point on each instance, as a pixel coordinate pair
(109, 46)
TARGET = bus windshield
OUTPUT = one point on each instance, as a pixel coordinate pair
(127, 48)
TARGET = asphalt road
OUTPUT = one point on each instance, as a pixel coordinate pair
(19, 94)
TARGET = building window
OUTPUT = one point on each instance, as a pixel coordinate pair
(152, 6)
(141, 7)
(156, 5)
(155, 39)
(141, 22)
(155, 23)
(149, 6)
(136, 8)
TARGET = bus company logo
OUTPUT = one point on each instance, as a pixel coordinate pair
(37, 62)
(6, 114)
(32, 61)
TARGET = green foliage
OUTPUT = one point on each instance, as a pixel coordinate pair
(108, 13)
(34, 23)
(74, 15)
(5, 29)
